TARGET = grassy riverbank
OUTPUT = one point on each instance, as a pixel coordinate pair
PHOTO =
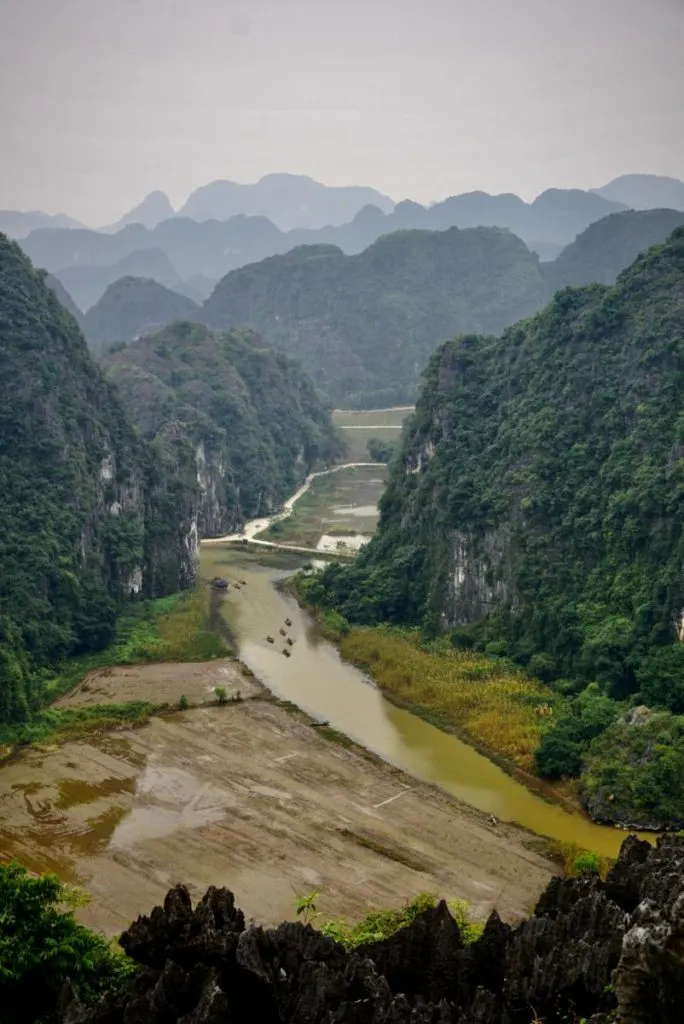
(491, 703)
(174, 628)
(495, 705)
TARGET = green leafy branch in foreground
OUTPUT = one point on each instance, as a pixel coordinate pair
(381, 924)
(42, 945)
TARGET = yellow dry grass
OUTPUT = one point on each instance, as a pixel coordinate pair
(496, 705)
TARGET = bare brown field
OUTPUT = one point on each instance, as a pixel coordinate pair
(252, 797)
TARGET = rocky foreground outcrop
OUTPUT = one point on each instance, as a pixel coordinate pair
(592, 951)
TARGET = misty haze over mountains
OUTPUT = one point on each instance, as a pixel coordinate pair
(224, 225)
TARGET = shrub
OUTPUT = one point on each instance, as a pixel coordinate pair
(661, 678)
(557, 756)
(381, 924)
(220, 694)
(586, 863)
(183, 703)
(42, 945)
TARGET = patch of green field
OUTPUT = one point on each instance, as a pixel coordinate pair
(322, 509)
(370, 417)
(357, 441)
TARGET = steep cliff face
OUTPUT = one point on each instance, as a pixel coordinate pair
(240, 422)
(538, 496)
(83, 526)
(591, 951)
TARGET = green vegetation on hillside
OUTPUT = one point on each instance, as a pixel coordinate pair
(364, 326)
(81, 523)
(174, 628)
(382, 924)
(223, 410)
(42, 946)
(133, 306)
(610, 245)
(536, 512)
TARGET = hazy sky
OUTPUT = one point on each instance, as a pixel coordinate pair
(102, 101)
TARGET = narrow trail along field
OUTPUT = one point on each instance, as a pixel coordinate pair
(251, 796)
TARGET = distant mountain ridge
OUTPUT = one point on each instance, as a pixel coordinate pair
(154, 208)
(364, 325)
(343, 315)
(132, 307)
(275, 214)
(87, 284)
(645, 191)
(213, 248)
(18, 224)
(288, 200)
(610, 245)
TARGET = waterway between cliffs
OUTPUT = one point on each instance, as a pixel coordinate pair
(316, 679)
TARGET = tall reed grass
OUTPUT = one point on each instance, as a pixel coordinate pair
(493, 703)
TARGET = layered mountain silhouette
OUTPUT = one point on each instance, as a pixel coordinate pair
(154, 208)
(211, 249)
(603, 251)
(645, 191)
(19, 224)
(288, 200)
(224, 226)
(133, 307)
(364, 325)
(87, 284)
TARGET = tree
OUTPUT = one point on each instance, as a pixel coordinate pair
(557, 756)
(42, 946)
(661, 678)
(381, 451)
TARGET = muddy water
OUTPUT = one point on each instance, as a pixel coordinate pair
(320, 682)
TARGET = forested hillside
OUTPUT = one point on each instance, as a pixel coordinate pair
(133, 306)
(601, 252)
(241, 419)
(88, 518)
(537, 511)
(364, 326)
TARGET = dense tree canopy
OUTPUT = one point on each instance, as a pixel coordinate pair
(243, 417)
(72, 490)
(364, 326)
(537, 506)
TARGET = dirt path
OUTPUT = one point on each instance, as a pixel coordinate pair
(255, 526)
(251, 796)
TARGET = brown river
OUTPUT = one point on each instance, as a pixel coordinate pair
(321, 683)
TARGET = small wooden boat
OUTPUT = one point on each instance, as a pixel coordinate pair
(282, 631)
(289, 642)
(288, 654)
(288, 622)
(270, 640)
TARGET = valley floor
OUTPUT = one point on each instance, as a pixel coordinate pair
(252, 796)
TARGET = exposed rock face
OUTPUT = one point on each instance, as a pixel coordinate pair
(239, 424)
(90, 515)
(592, 950)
